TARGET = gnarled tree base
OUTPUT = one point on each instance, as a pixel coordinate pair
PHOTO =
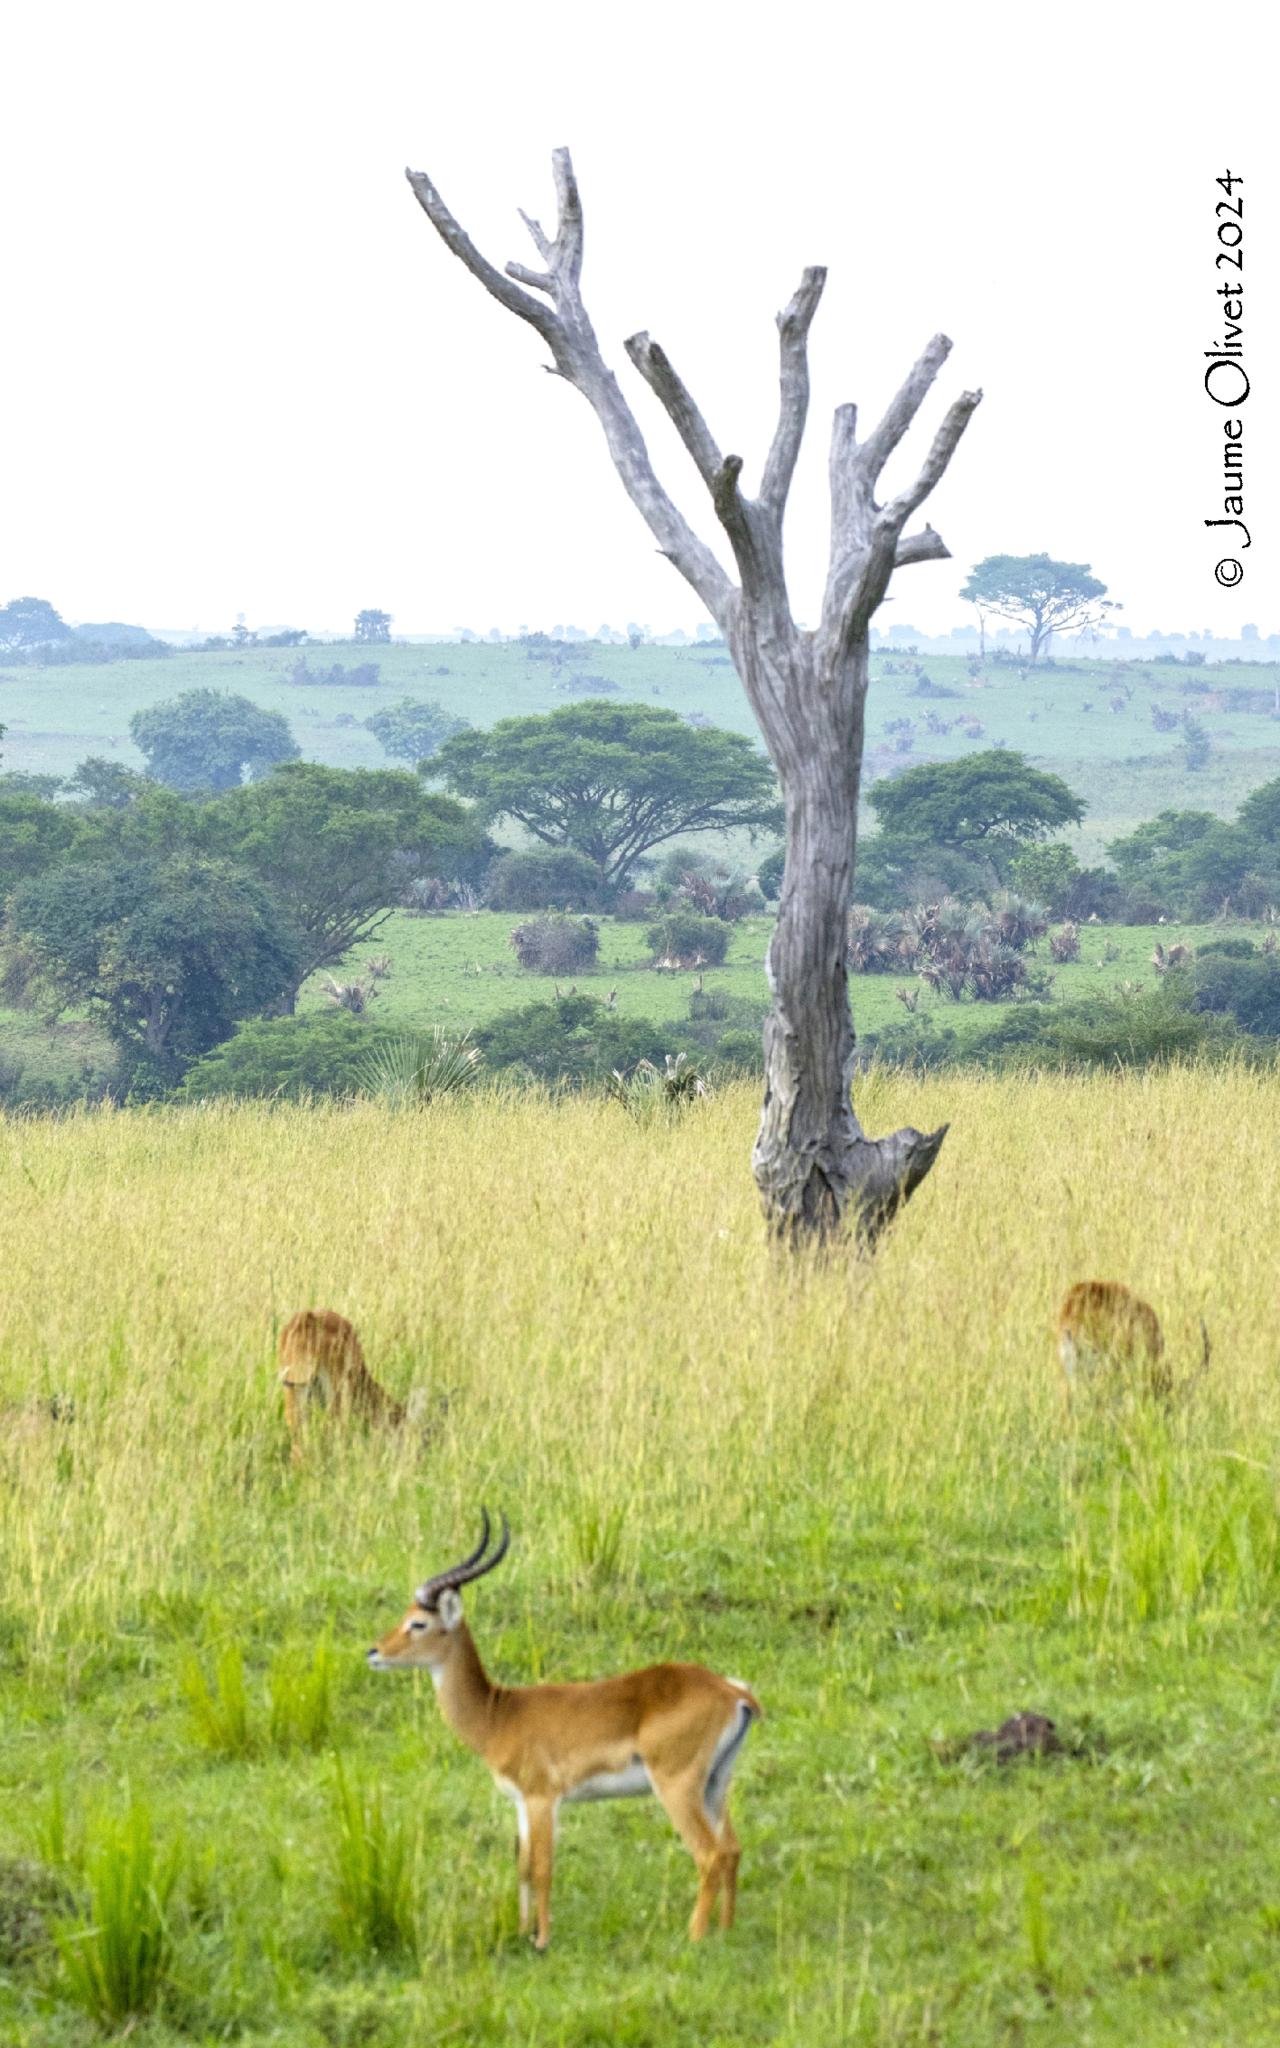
(815, 1195)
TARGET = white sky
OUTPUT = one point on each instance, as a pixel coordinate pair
(244, 376)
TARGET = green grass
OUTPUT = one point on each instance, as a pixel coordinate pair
(116, 1956)
(854, 1485)
(458, 971)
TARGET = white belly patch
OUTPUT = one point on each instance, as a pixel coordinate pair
(631, 1783)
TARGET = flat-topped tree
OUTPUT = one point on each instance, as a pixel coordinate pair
(812, 1162)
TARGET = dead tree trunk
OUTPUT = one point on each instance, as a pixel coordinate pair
(813, 1165)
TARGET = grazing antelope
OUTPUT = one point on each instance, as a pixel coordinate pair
(30, 1420)
(322, 1366)
(1102, 1324)
(671, 1729)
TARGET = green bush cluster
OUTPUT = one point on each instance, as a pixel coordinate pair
(1129, 1028)
(549, 878)
(685, 938)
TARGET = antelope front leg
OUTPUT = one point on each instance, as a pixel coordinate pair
(540, 1817)
(524, 1866)
(293, 1416)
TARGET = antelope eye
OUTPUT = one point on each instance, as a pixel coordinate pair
(416, 1627)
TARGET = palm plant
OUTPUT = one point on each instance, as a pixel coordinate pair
(996, 970)
(348, 995)
(648, 1088)
(1017, 920)
(413, 1072)
(876, 941)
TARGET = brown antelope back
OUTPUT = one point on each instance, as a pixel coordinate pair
(1104, 1327)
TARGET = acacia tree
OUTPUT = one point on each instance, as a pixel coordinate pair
(612, 780)
(807, 688)
(988, 805)
(1039, 593)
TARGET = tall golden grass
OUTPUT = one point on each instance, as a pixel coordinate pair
(631, 1372)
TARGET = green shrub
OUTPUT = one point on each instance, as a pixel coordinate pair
(634, 905)
(1131, 1028)
(556, 945)
(770, 872)
(741, 1050)
(917, 1042)
(1048, 871)
(727, 1028)
(1245, 989)
(552, 877)
(679, 861)
(577, 1039)
(685, 939)
(1227, 949)
(320, 1053)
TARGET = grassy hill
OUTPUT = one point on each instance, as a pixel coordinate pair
(1061, 717)
(854, 1485)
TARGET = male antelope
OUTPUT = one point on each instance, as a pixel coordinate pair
(1102, 1324)
(322, 1366)
(671, 1729)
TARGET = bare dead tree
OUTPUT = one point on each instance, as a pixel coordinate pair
(813, 1164)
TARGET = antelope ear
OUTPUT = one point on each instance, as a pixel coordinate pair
(449, 1608)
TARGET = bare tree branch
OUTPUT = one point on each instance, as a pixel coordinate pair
(569, 223)
(541, 280)
(655, 366)
(457, 239)
(540, 242)
(725, 485)
(719, 472)
(850, 489)
(794, 323)
(567, 331)
(903, 407)
(921, 547)
(945, 442)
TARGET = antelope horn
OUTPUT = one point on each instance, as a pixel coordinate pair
(473, 1567)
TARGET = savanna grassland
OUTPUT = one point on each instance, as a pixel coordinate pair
(458, 971)
(852, 1483)
(1089, 720)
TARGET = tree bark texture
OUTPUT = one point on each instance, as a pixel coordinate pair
(816, 1170)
